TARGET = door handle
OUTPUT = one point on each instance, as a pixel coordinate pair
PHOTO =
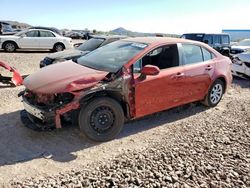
(178, 75)
(209, 67)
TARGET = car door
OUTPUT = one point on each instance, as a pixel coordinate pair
(158, 92)
(198, 69)
(47, 39)
(29, 40)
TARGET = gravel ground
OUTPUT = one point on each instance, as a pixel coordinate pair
(189, 146)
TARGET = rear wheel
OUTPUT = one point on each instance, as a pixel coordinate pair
(9, 46)
(58, 47)
(215, 93)
(101, 119)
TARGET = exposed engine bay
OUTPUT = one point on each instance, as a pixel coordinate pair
(49, 111)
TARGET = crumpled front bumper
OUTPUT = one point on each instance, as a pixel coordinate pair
(31, 122)
(37, 119)
(45, 118)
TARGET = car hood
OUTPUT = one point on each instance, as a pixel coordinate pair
(9, 37)
(67, 54)
(63, 77)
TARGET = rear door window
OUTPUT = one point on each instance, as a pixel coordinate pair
(46, 34)
(191, 54)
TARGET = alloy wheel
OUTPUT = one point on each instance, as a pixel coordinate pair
(10, 47)
(59, 48)
(216, 93)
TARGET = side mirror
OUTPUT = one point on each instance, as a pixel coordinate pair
(150, 70)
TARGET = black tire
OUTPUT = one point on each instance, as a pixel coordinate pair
(101, 119)
(215, 93)
(58, 47)
(9, 46)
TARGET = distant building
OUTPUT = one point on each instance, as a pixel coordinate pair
(237, 35)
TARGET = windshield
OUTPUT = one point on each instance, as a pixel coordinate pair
(196, 37)
(244, 43)
(21, 32)
(91, 44)
(111, 57)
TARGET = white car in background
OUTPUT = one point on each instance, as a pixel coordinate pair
(35, 39)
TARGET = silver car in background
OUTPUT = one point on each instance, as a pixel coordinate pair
(241, 65)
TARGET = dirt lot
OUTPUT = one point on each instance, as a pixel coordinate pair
(188, 146)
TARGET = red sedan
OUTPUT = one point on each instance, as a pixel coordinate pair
(124, 80)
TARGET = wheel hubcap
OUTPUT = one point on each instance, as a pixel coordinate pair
(216, 93)
(59, 48)
(102, 119)
(10, 47)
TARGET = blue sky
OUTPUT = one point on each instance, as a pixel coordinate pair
(167, 16)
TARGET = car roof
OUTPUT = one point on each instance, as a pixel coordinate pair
(160, 40)
(39, 30)
(47, 28)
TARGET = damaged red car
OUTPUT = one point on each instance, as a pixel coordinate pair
(124, 80)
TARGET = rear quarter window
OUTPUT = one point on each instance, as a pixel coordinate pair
(207, 55)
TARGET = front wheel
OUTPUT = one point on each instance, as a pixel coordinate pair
(101, 119)
(215, 93)
(9, 47)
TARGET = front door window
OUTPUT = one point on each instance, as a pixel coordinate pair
(162, 57)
